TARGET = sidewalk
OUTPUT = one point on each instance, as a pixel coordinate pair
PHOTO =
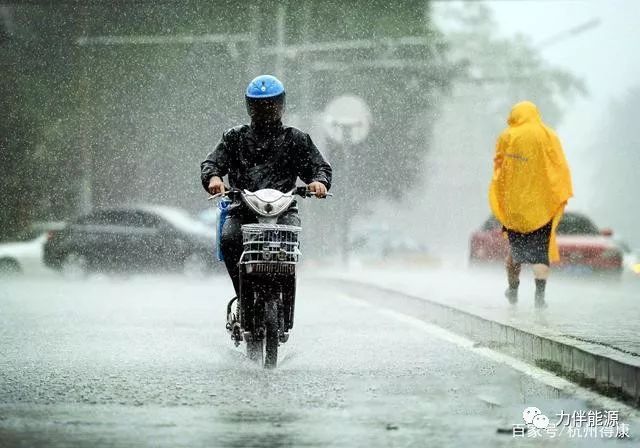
(595, 316)
(599, 311)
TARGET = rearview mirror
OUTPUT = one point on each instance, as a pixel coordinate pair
(606, 232)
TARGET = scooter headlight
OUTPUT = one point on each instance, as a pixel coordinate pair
(268, 202)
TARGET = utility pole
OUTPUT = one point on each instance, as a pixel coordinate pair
(254, 62)
(306, 73)
(281, 28)
(86, 155)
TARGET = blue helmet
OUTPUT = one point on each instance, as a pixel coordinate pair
(265, 98)
(264, 86)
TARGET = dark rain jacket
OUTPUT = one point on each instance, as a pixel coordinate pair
(274, 158)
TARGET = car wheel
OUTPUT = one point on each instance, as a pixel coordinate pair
(196, 265)
(611, 275)
(474, 262)
(9, 267)
(74, 266)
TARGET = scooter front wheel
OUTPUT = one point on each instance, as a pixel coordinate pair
(272, 337)
(254, 351)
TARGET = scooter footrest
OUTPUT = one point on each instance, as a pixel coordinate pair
(236, 333)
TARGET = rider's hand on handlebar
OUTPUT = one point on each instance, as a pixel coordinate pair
(216, 185)
(318, 188)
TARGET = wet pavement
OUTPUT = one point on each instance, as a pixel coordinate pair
(146, 362)
(590, 308)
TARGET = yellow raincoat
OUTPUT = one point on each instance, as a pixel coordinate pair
(531, 180)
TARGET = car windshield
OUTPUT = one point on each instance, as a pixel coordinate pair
(183, 221)
(573, 224)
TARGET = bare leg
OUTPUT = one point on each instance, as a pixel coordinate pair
(541, 273)
(513, 277)
(513, 272)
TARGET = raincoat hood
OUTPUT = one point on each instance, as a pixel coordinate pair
(531, 181)
(524, 112)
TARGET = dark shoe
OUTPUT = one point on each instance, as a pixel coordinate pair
(231, 316)
(540, 303)
(512, 295)
(233, 326)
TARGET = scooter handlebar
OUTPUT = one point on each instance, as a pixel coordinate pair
(300, 191)
(306, 193)
(228, 191)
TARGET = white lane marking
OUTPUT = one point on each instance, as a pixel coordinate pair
(536, 373)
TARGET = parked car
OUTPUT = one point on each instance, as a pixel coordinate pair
(22, 254)
(145, 238)
(583, 247)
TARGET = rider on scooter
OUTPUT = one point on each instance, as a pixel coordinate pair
(263, 154)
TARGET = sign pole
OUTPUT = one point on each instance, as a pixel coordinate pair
(347, 120)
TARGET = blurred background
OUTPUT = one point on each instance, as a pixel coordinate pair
(116, 104)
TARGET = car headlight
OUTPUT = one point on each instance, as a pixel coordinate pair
(636, 268)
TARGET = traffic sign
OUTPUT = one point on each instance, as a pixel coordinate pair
(347, 119)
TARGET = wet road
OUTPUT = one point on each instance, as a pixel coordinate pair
(146, 362)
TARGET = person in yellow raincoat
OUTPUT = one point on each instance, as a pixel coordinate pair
(530, 187)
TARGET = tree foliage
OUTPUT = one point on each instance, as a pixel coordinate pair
(134, 120)
(504, 70)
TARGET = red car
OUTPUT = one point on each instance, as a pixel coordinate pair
(583, 247)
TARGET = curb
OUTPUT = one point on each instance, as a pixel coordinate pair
(605, 370)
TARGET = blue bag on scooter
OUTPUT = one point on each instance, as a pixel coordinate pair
(223, 207)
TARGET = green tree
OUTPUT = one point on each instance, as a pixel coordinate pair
(37, 130)
(140, 116)
(507, 69)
